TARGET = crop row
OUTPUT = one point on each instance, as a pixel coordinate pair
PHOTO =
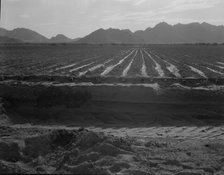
(114, 61)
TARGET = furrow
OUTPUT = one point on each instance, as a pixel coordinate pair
(64, 67)
(80, 67)
(144, 68)
(215, 71)
(94, 68)
(171, 68)
(111, 67)
(193, 69)
(125, 72)
(158, 67)
(220, 63)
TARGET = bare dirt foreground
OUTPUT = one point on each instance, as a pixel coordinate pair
(48, 150)
(46, 130)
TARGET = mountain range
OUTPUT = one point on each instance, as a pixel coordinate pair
(162, 33)
(30, 36)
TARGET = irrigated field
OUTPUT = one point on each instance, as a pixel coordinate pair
(149, 61)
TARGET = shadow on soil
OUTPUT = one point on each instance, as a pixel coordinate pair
(81, 107)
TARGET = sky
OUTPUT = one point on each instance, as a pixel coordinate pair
(77, 18)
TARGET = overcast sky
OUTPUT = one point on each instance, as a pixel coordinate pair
(77, 18)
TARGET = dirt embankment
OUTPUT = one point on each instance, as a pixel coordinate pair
(87, 105)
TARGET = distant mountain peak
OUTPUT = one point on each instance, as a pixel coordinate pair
(205, 23)
(100, 29)
(25, 30)
(30, 36)
(25, 35)
(163, 24)
(114, 29)
(60, 38)
(21, 28)
(147, 29)
(60, 35)
(109, 35)
(194, 23)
